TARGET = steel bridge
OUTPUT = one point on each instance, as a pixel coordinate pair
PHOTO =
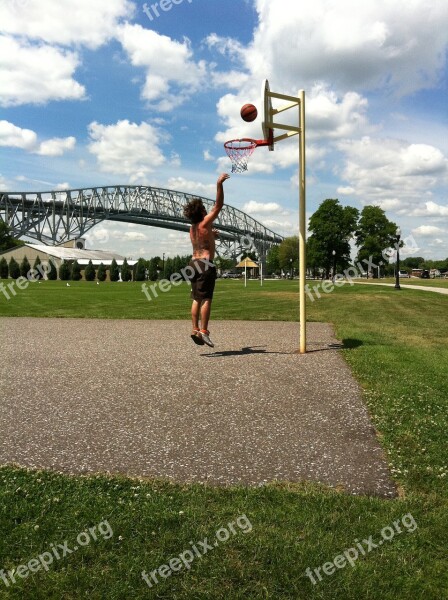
(55, 217)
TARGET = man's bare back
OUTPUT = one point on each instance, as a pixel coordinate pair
(203, 241)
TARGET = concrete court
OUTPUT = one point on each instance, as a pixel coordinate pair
(139, 398)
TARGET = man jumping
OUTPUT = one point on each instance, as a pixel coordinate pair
(202, 237)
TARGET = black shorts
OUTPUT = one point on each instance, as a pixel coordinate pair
(203, 280)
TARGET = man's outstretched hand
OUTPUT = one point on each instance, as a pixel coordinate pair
(222, 178)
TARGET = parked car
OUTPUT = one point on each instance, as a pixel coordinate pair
(403, 274)
(425, 274)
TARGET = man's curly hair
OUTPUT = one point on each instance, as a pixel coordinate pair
(194, 211)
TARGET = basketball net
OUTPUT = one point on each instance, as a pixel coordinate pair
(239, 151)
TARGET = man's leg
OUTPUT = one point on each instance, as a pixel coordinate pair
(195, 310)
(205, 313)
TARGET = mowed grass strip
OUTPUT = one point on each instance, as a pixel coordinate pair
(395, 342)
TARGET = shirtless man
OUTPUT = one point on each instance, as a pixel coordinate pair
(202, 237)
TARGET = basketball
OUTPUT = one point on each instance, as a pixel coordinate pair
(248, 113)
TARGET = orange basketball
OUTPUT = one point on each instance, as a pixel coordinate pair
(248, 113)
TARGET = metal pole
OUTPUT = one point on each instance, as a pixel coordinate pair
(397, 266)
(302, 222)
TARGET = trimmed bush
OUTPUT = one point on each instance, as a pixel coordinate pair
(64, 271)
(90, 273)
(102, 273)
(114, 273)
(76, 271)
(3, 268)
(14, 269)
(52, 273)
(126, 273)
(25, 267)
(140, 270)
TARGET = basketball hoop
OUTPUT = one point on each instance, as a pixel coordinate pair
(239, 152)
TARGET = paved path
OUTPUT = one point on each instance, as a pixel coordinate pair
(139, 398)
(425, 288)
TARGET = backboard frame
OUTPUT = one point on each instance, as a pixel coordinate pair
(267, 124)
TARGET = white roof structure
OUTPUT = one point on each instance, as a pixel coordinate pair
(82, 256)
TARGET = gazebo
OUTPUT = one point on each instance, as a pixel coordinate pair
(247, 263)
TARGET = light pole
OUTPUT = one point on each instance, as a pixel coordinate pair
(163, 264)
(334, 265)
(397, 265)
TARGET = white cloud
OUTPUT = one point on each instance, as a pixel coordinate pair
(345, 190)
(71, 22)
(427, 231)
(434, 209)
(429, 209)
(375, 168)
(126, 149)
(4, 185)
(226, 46)
(351, 45)
(16, 137)
(134, 236)
(171, 73)
(330, 116)
(262, 207)
(56, 146)
(192, 187)
(36, 74)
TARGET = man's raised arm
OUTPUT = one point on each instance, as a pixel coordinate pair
(213, 214)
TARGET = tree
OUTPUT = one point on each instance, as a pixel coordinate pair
(52, 274)
(114, 273)
(413, 262)
(37, 274)
(14, 269)
(102, 273)
(140, 270)
(7, 241)
(152, 268)
(332, 227)
(64, 271)
(288, 254)
(273, 260)
(314, 258)
(3, 268)
(89, 272)
(76, 271)
(375, 233)
(126, 273)
(24, 267)
(169, 268)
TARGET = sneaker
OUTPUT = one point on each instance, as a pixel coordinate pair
(205, 335)
(197, 338)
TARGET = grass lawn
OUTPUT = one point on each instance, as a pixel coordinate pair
(395, 343)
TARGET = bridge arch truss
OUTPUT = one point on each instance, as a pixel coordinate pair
(55, 217)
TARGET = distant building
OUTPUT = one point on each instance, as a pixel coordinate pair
(67, 252)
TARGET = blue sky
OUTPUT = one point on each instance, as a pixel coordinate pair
(97, 93)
